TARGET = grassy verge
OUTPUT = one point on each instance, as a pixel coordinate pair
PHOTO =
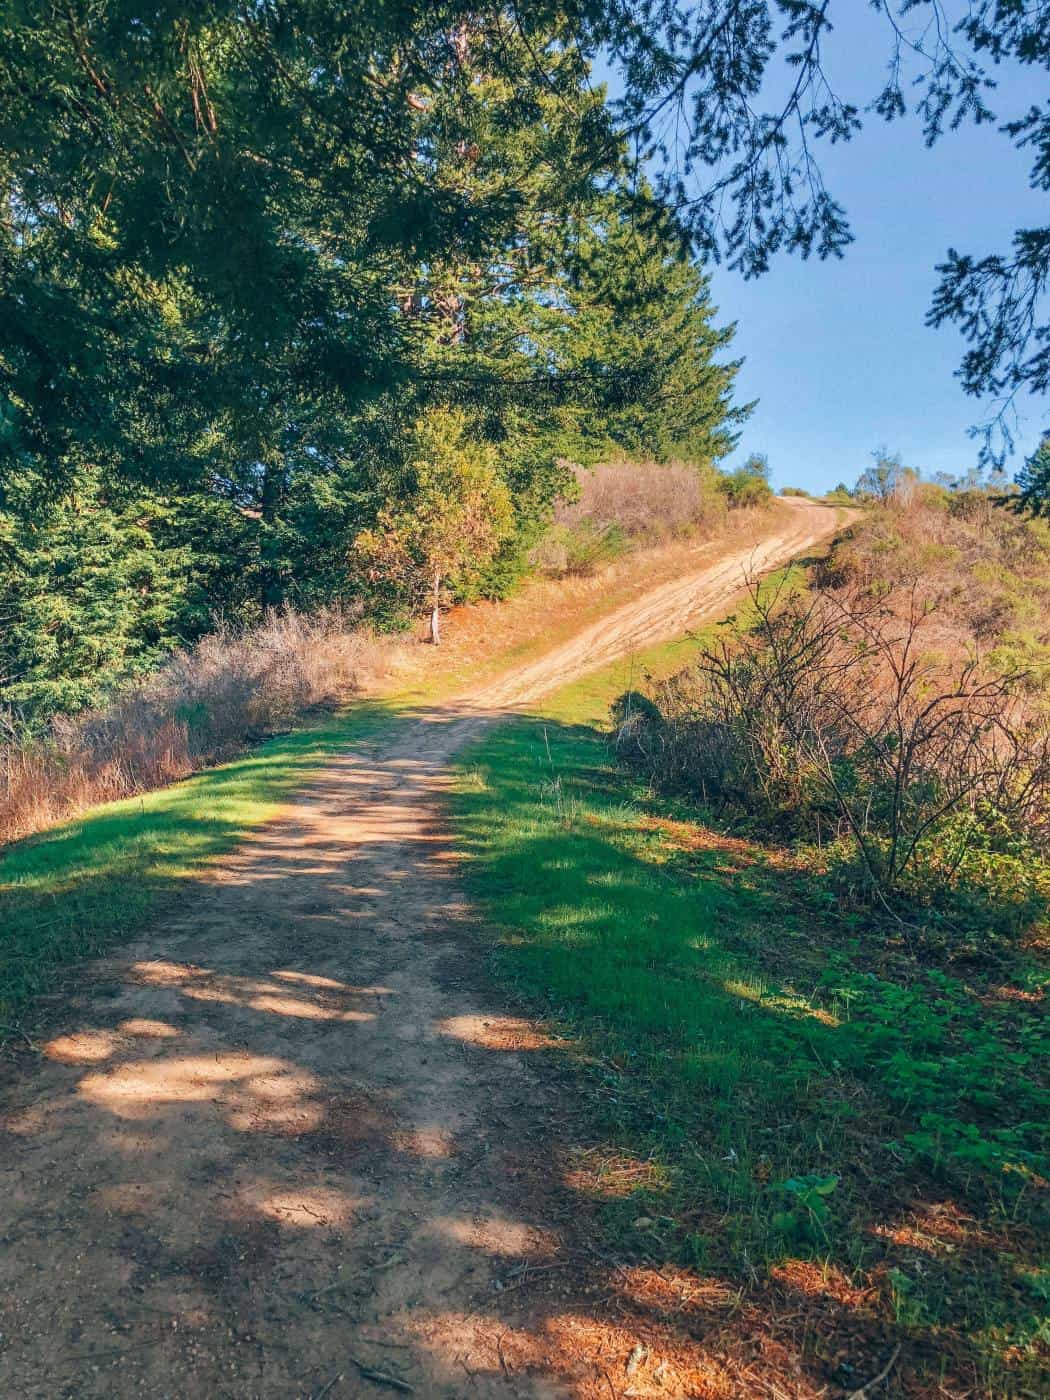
(587, 701)
(802, 1107)
(77, 888)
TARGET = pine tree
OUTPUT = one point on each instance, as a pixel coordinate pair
(1034, 481)
(89, 595)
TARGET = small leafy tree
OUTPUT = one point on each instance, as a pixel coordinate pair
(451, 513)
(749, 484)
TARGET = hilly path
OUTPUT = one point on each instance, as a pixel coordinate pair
(293, 1142)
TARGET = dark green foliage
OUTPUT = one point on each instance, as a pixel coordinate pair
(1034, 481)
(214, 219)
(233, 277)
(631, 308)
(92, 590)
(242, 250)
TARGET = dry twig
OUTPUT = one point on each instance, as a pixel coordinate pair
(383, 1377)
(868, 1386)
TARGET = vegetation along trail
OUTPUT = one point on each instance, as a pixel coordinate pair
(290, 1141)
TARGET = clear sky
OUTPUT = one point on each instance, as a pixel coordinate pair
(837, 352)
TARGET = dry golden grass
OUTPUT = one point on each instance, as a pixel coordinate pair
(200, 707)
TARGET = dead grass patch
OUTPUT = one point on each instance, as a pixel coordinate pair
(199, 708)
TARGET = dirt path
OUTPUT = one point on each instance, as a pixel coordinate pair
(666, 611)
(290, 1142)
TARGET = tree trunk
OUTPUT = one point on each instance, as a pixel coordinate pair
(274, 485)
(435, 612)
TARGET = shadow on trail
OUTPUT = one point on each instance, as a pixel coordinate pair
(292, 1129)
(294, 1135)
(70, 891)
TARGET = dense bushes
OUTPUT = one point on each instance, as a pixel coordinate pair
(834, 718)
(198, 708)
(619, 505)
(399, 431)
(647, 500)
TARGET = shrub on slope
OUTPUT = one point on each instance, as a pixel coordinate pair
(896, 716)
(198, 708)
(618, 506)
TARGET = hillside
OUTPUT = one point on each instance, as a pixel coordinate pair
(985, 569)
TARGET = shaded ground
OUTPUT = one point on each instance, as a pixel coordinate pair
(290, 1142)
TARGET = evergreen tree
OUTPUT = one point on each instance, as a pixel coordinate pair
(89, 595)
(1034, 481)
(633, 313)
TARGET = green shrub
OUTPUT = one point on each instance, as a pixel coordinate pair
(578, 549)
(749, 484)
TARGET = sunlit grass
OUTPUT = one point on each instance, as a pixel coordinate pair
(595, 920)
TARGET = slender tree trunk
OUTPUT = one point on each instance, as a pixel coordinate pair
(435, 612)
(271, 590)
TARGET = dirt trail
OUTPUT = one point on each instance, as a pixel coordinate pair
(290, 1142)
(666, 611)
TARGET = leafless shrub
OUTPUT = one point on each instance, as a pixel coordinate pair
(646, 500)
(203, 705)
(620, 504)
(833, 713)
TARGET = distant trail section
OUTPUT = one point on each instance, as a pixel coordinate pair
(665, 612)
(292, 1140)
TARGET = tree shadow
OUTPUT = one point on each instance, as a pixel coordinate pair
(296, 1132)
(694, 968)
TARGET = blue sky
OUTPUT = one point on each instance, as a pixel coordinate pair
(837, 352)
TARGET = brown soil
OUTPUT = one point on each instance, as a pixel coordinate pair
(292, 1142)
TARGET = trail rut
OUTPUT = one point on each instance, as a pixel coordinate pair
(291, 1141)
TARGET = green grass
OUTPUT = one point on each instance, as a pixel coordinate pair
(78, 888)
(793, 1082)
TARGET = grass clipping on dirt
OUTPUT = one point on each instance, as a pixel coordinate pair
(780, 1095)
